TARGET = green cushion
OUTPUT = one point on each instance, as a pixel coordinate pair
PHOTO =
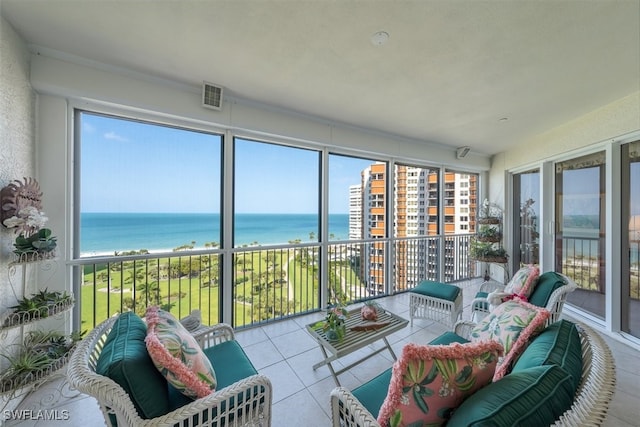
(448, 338)
(547, 283)
(230, 363)
(372, 393)
(558, 344)
(532, 397)
(484, 306)
(437, 290)
(125, 360)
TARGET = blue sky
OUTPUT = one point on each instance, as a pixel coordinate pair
(135, 167)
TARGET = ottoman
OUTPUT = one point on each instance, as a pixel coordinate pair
(437, 301)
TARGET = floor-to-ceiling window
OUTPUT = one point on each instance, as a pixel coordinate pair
(416, 216)
(275, 202)
(630, 222)
(580, 229)
(526, 201)
(145, 188)
(352, 201)
(249, 230)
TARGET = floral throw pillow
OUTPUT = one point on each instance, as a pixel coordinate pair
(523, 282)
(429, 382)
(513, 324)
(177, 355)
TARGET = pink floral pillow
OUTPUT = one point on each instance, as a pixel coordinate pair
(177, 355)
(512, 324)
(429, 382)
(523, 282)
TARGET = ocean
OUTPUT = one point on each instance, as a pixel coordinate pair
(104, 233)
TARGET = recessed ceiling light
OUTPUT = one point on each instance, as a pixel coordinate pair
(379, 38)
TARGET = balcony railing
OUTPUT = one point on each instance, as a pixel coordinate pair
(583, 262)
(267, 282)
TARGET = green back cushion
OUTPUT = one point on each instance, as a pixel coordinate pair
(373, 393)
(547, 283)
(448, 338)
(532, 397)
(126, 361)
(230, 363)
(559, 344)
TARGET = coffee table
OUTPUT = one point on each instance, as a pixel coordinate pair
(355, 340)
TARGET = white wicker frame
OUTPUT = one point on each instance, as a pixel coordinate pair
(590, 404)
(440, 310)
(256, 390)
(480, 306)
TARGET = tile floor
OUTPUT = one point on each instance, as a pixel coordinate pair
(286, 353)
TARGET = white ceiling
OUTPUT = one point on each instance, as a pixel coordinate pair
(448, 73)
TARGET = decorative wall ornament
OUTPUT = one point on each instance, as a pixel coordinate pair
(21, 209)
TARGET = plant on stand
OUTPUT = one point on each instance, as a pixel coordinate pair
(21, 209)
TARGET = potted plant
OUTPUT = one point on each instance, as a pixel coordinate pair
(38, 306)
(487, 233)
(40, 354)
(487, 252)
(334, 325)
(489, 213)
(21, 210)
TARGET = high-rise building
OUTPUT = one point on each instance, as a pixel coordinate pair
(355, 212)
(416, 216)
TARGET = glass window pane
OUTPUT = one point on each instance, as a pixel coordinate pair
(346, 196)
(276, 194)
(580, 229)
(526, 189)
(351, 265)
(631, 240)
(145, 186)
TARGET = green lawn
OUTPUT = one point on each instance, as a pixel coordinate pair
(268, 284)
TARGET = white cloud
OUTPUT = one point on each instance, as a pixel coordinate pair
(115, 137)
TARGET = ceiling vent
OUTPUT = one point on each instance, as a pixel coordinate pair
(212, 96)
(462, 152)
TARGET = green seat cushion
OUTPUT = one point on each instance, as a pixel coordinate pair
(484, 306)
(532, 397)
(448, 338)
(125, 360)
(230, 363)
(373, 393)
(559, 344)
(437, 290)
(547, 283)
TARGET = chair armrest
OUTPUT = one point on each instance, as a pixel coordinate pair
(491, 286)
(463, 328)
(347, 411)
(212, 335)
(255, 393)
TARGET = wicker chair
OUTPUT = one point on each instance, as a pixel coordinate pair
(590, 404)
(219, 408)
(480, 306)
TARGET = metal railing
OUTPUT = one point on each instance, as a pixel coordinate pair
(582, 262)
(267, 283)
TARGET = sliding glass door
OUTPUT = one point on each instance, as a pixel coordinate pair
(526, 200)
(630, 275)
(580, 229)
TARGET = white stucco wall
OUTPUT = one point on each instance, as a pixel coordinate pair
(17, 130)
(17, 147)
